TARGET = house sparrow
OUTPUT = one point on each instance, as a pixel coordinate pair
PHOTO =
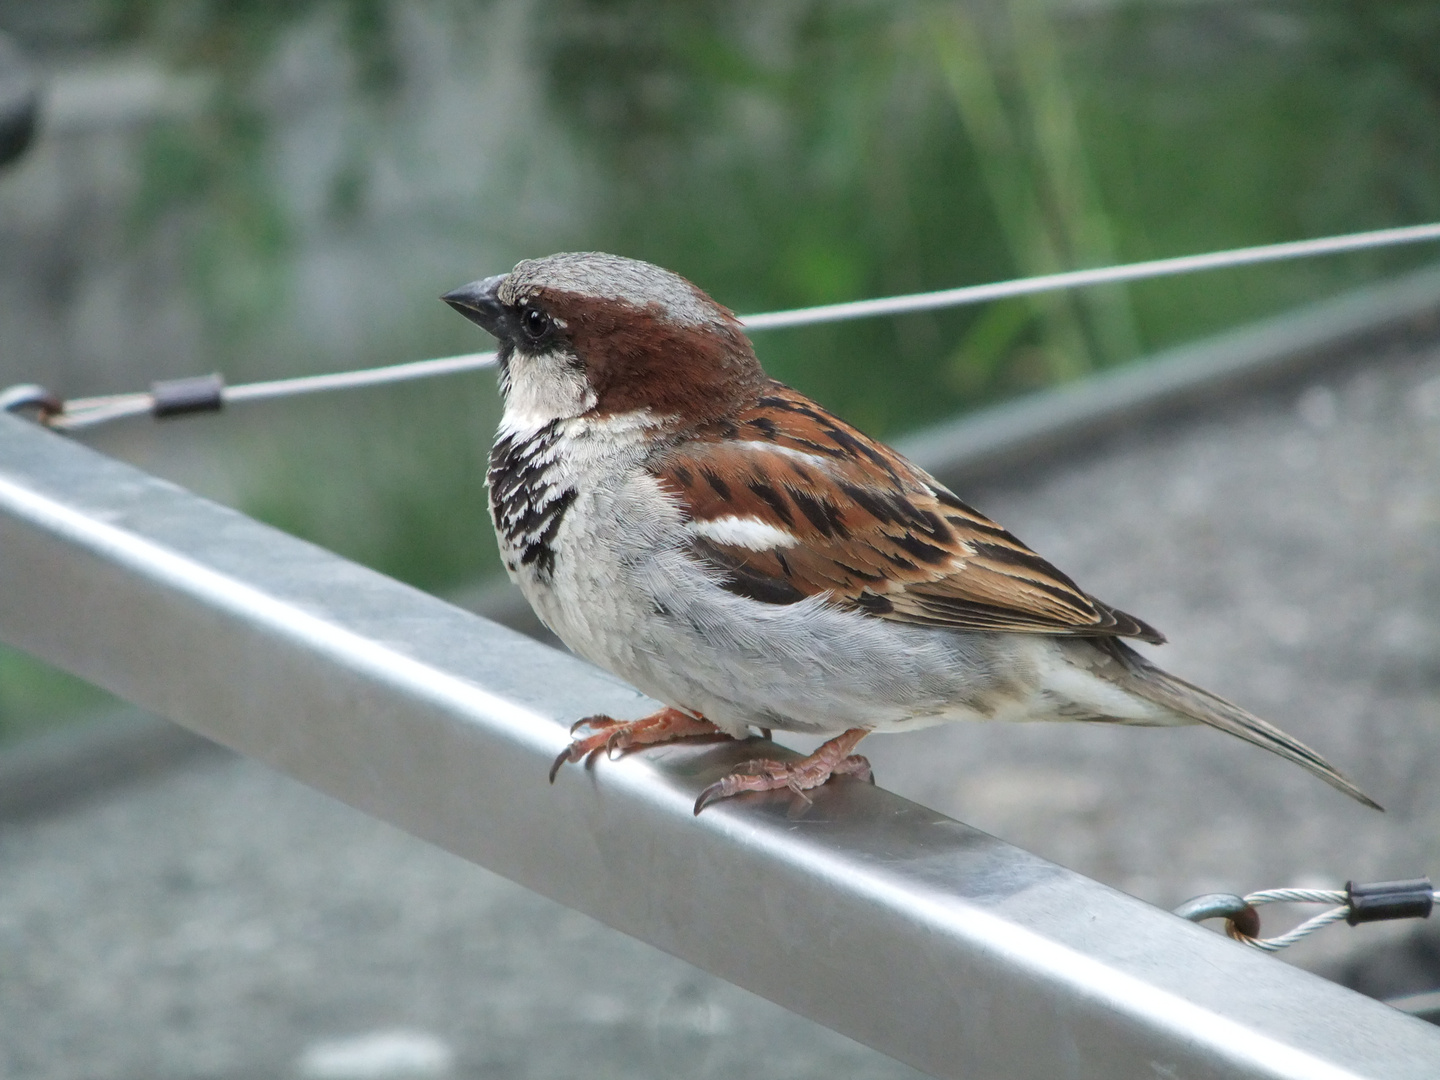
(735, 551)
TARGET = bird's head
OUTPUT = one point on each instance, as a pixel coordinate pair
(599, 335)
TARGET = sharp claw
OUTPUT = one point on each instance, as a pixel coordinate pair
(597, 722)
(709, 795)
(610, 737)
(563, 757)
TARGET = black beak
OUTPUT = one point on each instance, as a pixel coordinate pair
(479, 303)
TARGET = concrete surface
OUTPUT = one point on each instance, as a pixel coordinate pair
(220, 921)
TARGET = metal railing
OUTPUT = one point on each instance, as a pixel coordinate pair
(911, 932)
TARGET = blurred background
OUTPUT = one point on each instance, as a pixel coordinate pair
(282, 187)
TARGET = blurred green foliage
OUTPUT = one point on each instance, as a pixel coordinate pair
(216, 167)
(421, 469)
(782, 154)
(804, 152)
(795, 153)
(800, 153)
(33, 695)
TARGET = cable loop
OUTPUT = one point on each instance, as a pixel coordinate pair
(1356, 903)
(1299, 933)
(31, 396)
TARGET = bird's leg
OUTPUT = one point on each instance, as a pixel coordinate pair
(612, 735)
(761, 774)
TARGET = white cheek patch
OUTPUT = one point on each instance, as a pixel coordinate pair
(746, 532)
(542, 389)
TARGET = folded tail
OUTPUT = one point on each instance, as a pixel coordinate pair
(1150, 682)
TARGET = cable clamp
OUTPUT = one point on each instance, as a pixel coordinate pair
(1381, 900)
(176, 397)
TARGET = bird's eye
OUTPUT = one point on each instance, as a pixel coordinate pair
(535, 322)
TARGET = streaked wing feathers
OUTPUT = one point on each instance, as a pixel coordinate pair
(868, 527)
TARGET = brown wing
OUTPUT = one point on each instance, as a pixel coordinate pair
(788, 501)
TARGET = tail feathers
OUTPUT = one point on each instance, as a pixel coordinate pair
(1150, 682)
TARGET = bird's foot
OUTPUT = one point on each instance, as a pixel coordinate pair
(761, 774)
(613, 737)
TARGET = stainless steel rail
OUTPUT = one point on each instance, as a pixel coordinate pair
(911, 932)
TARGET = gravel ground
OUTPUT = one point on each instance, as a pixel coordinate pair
(221, 921)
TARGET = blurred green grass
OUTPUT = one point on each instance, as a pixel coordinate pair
(779, 155)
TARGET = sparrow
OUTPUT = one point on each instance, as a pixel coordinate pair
(734, 550)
